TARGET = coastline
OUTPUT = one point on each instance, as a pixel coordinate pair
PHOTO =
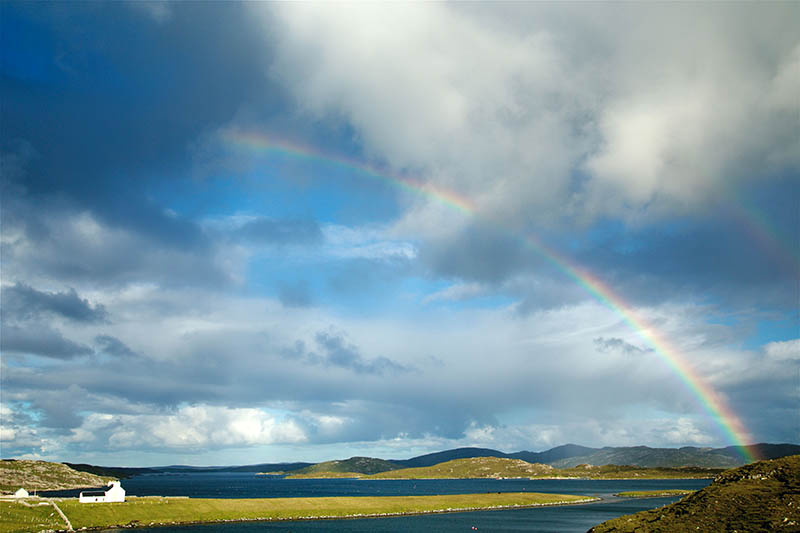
(369, 478)
(155, 511)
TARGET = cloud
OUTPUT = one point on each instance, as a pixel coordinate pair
(40, 339)
(295, 294)
(782, 351)
(574, 119)
(262, 230)
(334, 350)
(613, 344)
(188, 429)
(113, 346)
(458, 292)
(158, 10)
(78, 247)
(21, 301)
(434, 375)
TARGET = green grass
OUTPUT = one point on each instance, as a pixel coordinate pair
(654, 493)
(17, 518)
(155, 511)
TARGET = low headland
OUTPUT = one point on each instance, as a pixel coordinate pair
(502, 468)
(44, 475)
(157, 511)
(654, 493)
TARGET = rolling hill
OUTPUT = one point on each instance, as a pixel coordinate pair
(42, 475)
(358, 465)
(501, 467)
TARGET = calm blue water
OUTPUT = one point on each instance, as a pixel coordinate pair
(549, 519)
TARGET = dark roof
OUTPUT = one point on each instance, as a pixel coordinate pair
(93, 493)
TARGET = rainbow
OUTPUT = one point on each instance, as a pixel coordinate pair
(712, 403)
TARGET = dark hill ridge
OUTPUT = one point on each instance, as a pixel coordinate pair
(729, 457)
(762, 496)
(566, 456)
(359, 465)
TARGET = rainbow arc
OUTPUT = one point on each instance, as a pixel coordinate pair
(713, 403)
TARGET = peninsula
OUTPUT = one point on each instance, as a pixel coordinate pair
(157, 511)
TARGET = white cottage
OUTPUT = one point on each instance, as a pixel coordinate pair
(115, 493)
(21, 493)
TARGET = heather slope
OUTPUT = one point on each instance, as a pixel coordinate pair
(497, 467)
(358, 465)
(42, 475)
(763, 496)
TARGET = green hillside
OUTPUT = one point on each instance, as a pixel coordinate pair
(41, 475)
(654, 457)
(496, 467)
(763, 496)
(357, 465)
(473, 467)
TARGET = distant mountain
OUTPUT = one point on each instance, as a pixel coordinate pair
(762, 496)
(359, 465)
(554, 454)
(565, 456)
(729, 457)
(123, 472)
(431, 459)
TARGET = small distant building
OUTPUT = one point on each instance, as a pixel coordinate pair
(115, 493)
(21, 493)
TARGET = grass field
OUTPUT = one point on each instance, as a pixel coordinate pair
(17, 518)
(155, 510)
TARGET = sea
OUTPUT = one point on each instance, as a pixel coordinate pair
(571, 518)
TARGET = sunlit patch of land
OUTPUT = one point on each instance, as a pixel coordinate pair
(152, 511)
(654, 493)
(326, 475)
(501, 468)
(17, 517)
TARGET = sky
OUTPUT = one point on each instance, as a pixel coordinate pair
(237, 233)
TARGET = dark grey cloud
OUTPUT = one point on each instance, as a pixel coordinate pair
(40, 339)
(102, 108)
(21, 302)
(479, 252)
(75, 247)
(336, 351)
(113, 346)
(333, 349)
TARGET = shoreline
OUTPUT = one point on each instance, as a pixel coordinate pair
(159, 512)
(562, 478)
(357, 516)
